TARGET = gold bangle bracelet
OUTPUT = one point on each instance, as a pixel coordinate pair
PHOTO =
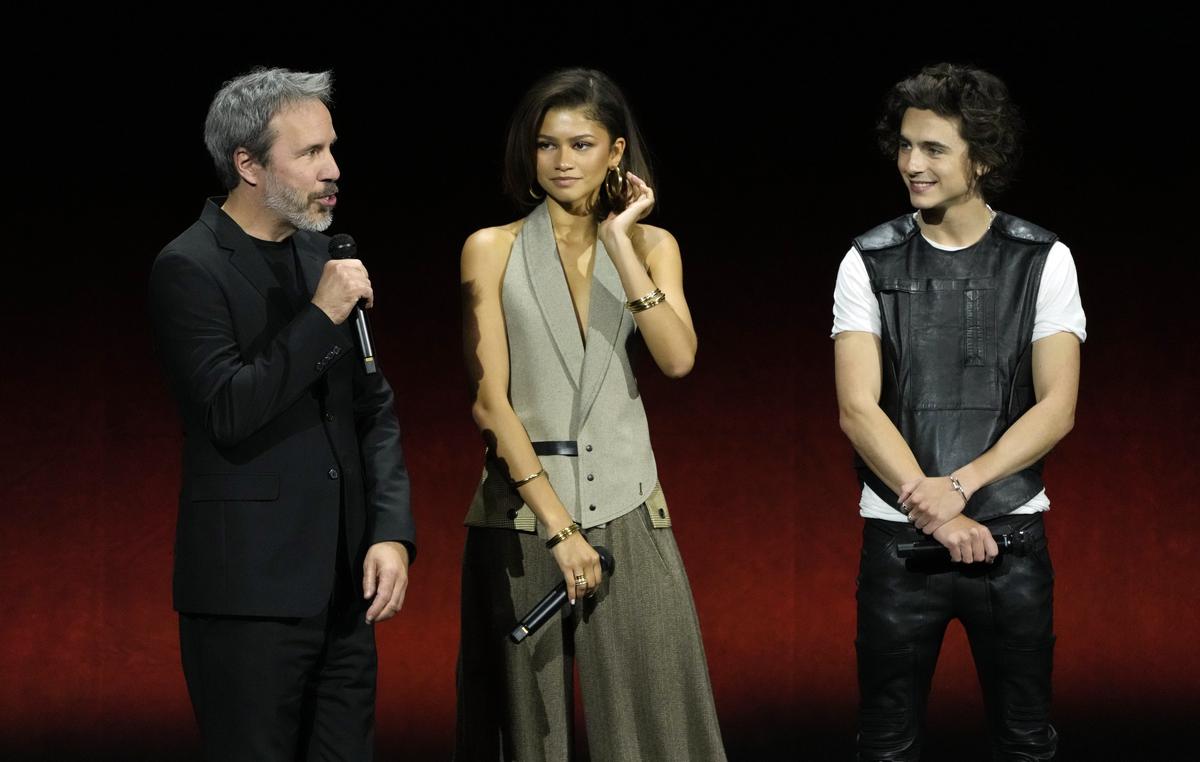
(563, 534)
(652, 299)
(522, 482)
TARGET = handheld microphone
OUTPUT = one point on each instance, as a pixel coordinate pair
(342, 246)
(928, 548)
(554, 600)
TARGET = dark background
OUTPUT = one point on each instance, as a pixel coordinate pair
(761, 132)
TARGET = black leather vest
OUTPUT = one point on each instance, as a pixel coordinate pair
(957, 358)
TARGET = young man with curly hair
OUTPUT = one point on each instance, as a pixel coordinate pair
(956, 342)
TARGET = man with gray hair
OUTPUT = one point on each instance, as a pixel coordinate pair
(295, 531)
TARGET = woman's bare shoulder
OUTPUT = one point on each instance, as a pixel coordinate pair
(494, 240)
(487, 249)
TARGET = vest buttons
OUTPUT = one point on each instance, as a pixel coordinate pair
(591, 507)
(591, 477)
(588, 448)
(333, 473)
(512, 513)
(329, 416)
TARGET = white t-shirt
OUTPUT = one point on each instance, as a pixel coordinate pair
(1058, 309)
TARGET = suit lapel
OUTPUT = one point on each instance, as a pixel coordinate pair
(312, 260)
(248, 261)
(605, 314)
(549, 285)
(244, 257)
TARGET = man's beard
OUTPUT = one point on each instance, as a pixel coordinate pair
(295, 206)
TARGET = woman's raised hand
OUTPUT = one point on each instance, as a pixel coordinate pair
(640, 203)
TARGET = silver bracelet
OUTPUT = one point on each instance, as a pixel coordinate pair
(958, 488)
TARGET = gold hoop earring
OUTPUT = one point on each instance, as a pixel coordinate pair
(536, 197)
(617, 195)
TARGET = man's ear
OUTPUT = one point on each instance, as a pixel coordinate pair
(979, 170)
(247, 166)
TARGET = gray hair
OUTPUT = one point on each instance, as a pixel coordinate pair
(241, 111)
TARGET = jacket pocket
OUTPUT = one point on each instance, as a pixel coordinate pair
(228, 487)
(975, 326)
(945, 331)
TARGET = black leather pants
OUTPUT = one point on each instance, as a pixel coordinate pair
(903, 609)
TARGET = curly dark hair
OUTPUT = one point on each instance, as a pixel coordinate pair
(989, 121)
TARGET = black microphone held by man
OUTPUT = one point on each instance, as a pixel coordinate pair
(342, 246)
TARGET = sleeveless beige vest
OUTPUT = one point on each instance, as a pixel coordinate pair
(563, 391)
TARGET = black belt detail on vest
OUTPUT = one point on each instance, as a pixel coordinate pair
(570, 449)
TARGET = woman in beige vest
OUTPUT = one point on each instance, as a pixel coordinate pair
(550, 303)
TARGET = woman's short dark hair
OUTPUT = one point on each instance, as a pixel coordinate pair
(602, 101)
(990, 122)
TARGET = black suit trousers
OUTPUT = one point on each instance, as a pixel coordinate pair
(284, 688)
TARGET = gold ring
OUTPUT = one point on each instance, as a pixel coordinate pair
(580, 580)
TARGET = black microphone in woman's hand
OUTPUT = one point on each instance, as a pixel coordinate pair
(342, 246)
(554, 600)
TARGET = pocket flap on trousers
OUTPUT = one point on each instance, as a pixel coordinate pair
(235, 487)
(656, 507)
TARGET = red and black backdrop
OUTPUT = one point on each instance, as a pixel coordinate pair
(761, 131)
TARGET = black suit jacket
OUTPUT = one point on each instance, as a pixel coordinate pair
(281, 428)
